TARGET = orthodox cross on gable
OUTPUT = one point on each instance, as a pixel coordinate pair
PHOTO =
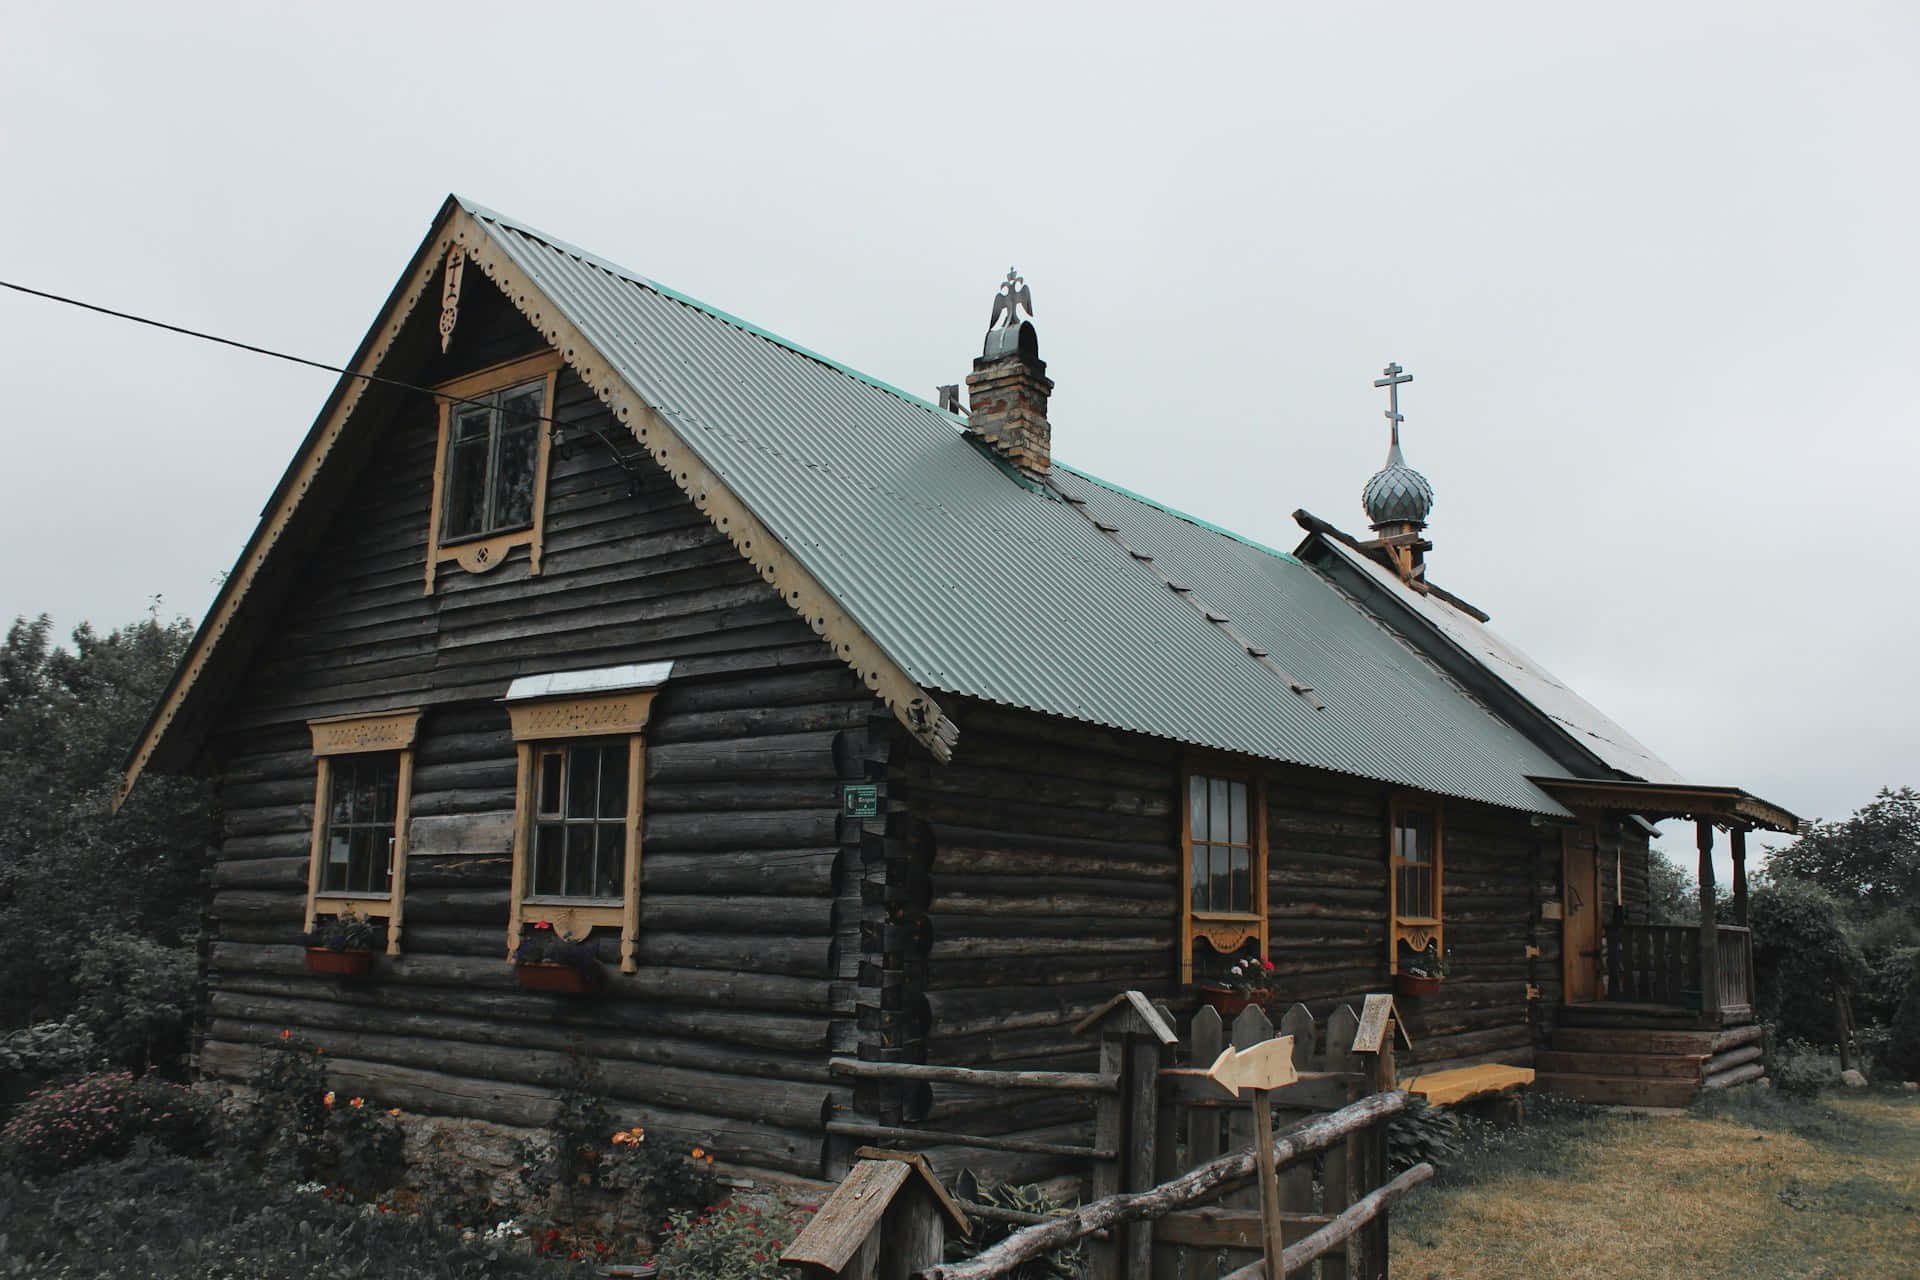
(1013, 295)
(1395, 376)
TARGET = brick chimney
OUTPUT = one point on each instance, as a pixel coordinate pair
(1008, 389)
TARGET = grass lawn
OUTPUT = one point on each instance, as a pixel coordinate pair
(1748, 1185)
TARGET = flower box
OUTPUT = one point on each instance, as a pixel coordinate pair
(562, 979)
(1415, 984)
(339, 964)
(1228, 1002)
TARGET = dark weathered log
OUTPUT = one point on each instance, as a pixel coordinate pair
(746, 990)
(773, 756)
(927, 1137)
(1196, 1187)
(1065, 1081)
(797, 1105)
(800, 872)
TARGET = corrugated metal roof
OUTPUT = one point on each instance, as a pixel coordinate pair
(977, 585)
(1580, 719)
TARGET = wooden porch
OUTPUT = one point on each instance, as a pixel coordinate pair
(1676, 1009)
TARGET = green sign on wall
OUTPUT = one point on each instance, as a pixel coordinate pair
(860, 800)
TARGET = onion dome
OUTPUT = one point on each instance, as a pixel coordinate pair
(1397, 494)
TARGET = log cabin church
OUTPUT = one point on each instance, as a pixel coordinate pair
(846, 723)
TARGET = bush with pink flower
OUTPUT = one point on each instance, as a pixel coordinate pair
(99, 1117)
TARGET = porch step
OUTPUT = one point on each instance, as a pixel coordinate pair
(1618, 1090)
(1662, 1066)
(1629, 1040)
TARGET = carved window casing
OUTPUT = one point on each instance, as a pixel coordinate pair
(1223, 845)
(577, 814)
(490, 468)
(362, 790)
(1415, 857)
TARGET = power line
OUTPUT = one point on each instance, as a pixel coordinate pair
(268, 351)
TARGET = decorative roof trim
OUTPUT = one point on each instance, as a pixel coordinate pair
(780, 568)
(286, 500)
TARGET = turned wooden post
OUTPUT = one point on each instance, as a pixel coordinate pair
(1709, 928)
(1740, 876)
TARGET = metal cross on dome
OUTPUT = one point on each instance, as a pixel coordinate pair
(1395, 376)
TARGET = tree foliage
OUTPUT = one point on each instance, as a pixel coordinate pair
(1673, 894)
(1872, 859)
(72, 871)
(1803, 957)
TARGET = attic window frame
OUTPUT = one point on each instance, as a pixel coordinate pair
(1225, 931)
(540, 725)
(379, 733)
(489, 549)
(1415, 931)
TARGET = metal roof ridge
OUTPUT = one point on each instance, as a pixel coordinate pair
(1178, 514)
(705, 308)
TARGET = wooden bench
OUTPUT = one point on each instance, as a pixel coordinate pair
(1489, 1080)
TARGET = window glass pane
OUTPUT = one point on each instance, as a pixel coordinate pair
(1198, 888)
(1220, 881)
(549, 843)
(333, 876)
(613, 781)
(466, 488)
(610, 878)
(386, 790)
(1242, 881)
(380, 870)
(1238, 815)
(1197, 808)
(470, 424)
(1218, 828)
(340, 797)
(550, 783)
(520, 408)
(513, 478)
(359, 859)
(583, 781)
(579, 883)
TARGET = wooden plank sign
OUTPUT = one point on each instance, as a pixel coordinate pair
(1267, 1065)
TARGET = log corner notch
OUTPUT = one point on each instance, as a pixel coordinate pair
(890, 1212)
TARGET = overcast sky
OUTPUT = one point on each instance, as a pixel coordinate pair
(1651, 266)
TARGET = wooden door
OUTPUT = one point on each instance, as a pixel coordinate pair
(1580, 915)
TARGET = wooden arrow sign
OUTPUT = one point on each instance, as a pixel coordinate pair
(1267, 1065)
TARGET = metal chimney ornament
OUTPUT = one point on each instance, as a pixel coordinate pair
(1014, 295)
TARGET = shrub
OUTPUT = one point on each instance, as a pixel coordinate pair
(568, 1158)
(288, 1121)
(1801, 1070)
(1902, 1051)
(1886, 975)
(656, 1179)
(1423, 1132)
(1802, 958)
(45, 1053)
(100, 1117)
(137, 998)
(733, 1242)
(371, 1149)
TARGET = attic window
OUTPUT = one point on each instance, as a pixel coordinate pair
(490, 473)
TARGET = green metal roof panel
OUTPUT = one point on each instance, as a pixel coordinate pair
(977, 585)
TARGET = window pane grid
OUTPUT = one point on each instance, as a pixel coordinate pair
(1414, 890)
(362, 795)
(492, 457)
(1219, 827)
(580, 822)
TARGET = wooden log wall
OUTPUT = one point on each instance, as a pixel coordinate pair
(747, 968)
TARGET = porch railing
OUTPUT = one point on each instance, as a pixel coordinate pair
(1736, 967)
(1660, 964)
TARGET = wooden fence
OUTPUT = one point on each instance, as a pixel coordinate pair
(1660, 964)
(1170, 1161)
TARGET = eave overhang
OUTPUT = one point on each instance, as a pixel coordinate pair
(1723, 806)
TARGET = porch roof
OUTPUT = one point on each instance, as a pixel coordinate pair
(1729, 806)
